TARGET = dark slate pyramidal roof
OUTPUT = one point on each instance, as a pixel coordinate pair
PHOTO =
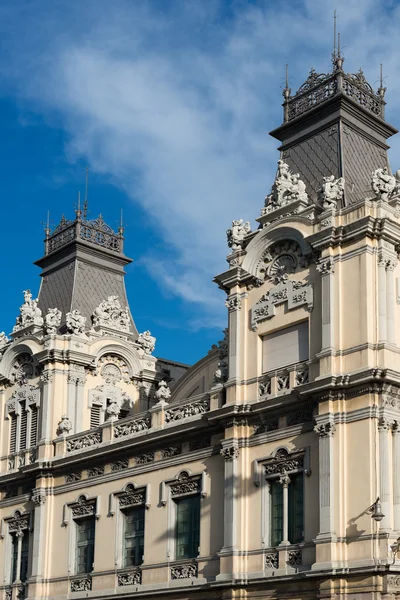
(334, 125)
(83, 265)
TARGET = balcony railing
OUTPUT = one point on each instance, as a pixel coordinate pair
(282, 381)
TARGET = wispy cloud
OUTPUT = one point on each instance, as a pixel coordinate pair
(175, 100)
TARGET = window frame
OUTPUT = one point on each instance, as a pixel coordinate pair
(81, 508)
(23, 401)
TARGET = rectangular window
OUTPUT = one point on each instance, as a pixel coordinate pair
(285, 347)
(187, 527)
(34, 426)
(23, 575)
(134, 536)
(85, 530)
(295, 514)
(23, 427)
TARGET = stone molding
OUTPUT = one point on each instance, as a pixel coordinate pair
(190, 409)
(294, 293)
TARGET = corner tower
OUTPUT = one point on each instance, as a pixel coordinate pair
(83, 264)
(334, 124)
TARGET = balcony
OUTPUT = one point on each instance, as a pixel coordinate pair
(283, 381)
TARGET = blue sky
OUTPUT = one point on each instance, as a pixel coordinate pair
(170, 103)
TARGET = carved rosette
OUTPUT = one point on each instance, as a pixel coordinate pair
(113, 368)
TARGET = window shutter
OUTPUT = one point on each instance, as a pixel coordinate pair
(285, 347)
(95, 416)
(23, 427)
(13, 434)
(34, 425)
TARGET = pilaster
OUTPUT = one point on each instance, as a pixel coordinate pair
(385, 435)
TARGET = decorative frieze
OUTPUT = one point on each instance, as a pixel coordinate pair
(120, 465)
(19, 522)
(83, 507)
(271, 560)
(83, 584)
(85, 441)
(295, 293)
(171, 451)
(186, 485)
(72, 477)
(131, 578)
(282, 464)
(131, 496)
(144, 459)
(95, 472)
(200, 443)
(133, 426)
(185, 571)
(192, 409)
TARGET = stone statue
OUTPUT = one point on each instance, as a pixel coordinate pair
(286, 188)
(163, 392)
(147, 342)
(113, 409)
(396, 190)
(331, 191)
(52, 320)
(75, 322)
(110, 314)
(383, 183)
(3, 340)
(221, 373)
(64, 426)
(237, 233)
(30, 313)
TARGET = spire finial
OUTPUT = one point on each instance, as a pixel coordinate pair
(85, 203)
(78, 211)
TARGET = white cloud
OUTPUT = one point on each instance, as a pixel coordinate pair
(176, 106)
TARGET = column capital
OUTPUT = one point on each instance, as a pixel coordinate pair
(284, 480)
(326, 266)
(325, 429)
(385, 424)
(230, 452)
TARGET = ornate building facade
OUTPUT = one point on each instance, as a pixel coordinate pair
(270, 468)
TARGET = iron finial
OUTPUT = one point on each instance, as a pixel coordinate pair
(334, 37)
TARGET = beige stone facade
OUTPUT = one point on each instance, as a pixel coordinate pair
(269, 469)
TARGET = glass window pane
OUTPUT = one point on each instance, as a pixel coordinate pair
(134, 536)
(296, 509)
(276, 491)
(187, 527)
(85, 545)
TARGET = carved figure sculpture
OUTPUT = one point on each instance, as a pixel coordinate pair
(64, 426)
(147, 342)
(30, 313)
(52, 320)
(331, 191)
(383, 183)
(75, 322)
(163, 392)
(236, 234)
(396, 190)
(286, 188)
(113, 409)
(110, 314)
(221, 373)
(3, 340)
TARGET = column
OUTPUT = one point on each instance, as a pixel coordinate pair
(39, 533)
(326, 267)
(326, 431)
(390, 301)
(284, 480)
(45, 427)
(382, 335)
(19, 535)
(385, 435)
(396, 476)
(231, 455)
(234, 304)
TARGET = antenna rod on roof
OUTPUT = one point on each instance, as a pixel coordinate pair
(85, 203)
(287, 76)
(334, 35)
(381, 77)
(338, 45)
